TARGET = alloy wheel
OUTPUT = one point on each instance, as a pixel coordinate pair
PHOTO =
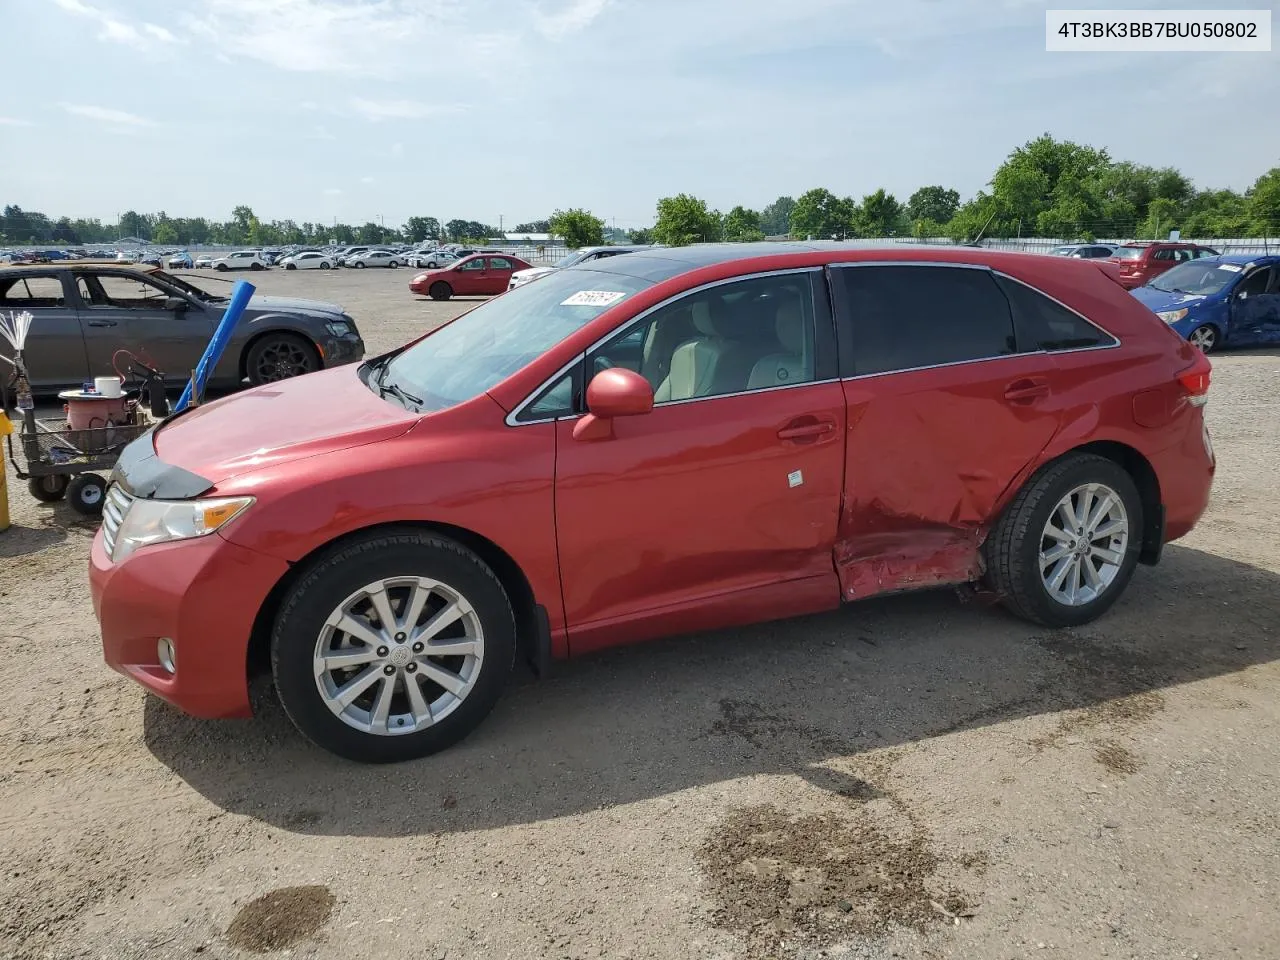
(282, 359)
(398, 655)
(1083, 544)
(1204, 337)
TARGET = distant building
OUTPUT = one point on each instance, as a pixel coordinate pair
(528, 237)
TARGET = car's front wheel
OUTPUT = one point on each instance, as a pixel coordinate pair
(324, 265)
(393, 646)
(440, 290)
(279, 356)
(1205, 337)
(360, 264)
(291, 266)
(1066, 547)
(393, 264)
(221, 268)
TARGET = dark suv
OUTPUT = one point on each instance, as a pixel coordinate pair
(84, 313)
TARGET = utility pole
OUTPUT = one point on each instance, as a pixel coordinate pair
(501, 231)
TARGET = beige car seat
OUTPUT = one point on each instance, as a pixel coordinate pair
(712, 363)
(778, 369)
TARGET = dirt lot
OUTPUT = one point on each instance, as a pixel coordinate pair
(911, 777)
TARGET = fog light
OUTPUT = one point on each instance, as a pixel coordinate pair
(168, 658)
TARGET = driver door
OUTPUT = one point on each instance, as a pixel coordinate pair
(129, 312)
(470, 278)
(1255, 309)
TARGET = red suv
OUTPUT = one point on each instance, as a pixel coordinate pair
(671, 441)
(1139, 262)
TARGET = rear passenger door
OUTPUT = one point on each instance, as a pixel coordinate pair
(944, 415)
(54, 351)
(499, 275)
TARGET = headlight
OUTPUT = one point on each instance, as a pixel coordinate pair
(160, 521)
(339, 328)
(1172, 316)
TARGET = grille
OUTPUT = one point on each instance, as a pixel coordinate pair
(113, 510)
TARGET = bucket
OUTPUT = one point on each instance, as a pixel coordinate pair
(109, 387)
(89, 412)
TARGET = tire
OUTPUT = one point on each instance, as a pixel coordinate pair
(393, 265)
(221, 268)
(1017, 544)
(48, 489)
(85, 494)
(279, 356)
(291, 266)
(440, 290)
(324, 265)
(256, 266)
(301, 633)
(1206, 337)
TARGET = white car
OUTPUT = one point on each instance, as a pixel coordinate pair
(128, 256)
(309, 260)
(203, 261)
(241, 260)
(521, 277)
(431, 259)
(375, 258)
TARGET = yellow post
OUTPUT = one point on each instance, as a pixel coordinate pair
(6, 428)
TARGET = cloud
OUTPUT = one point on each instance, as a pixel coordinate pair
(366, 179)
(397, 109)
(107, 115)
(117, 31)
(15, 122)
(331, 191)
(570, 17)
(321, 133)
(309, 105)
(397, 150)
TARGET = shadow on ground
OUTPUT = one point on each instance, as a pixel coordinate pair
(784, 697)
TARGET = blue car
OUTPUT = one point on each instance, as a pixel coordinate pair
(1226, 301)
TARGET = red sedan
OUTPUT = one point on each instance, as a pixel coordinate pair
(477, 275)
(671, 441)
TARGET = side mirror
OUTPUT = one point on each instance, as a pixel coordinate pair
(176, 304)
(616, 392)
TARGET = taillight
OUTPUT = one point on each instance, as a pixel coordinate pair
(1195, 380)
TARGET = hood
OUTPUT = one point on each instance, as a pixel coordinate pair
(533, 272)
(306, 416)
(1160, 301)
(293, 305)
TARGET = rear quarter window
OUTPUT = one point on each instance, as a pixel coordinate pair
(1044, 324)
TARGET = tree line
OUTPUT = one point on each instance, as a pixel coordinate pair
(1045, 188)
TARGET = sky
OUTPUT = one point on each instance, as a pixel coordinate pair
(504, 110)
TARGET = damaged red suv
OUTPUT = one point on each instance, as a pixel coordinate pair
(671, 441)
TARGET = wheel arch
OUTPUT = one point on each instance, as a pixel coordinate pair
(533, 636)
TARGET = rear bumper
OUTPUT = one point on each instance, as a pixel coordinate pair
(1185, 473)
(204, 596)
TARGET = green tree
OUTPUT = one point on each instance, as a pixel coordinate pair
(533, 226)
(822, 215)
(880, 215)
(933, 203)
(417, 229)
(1263, 201)
(1162, 216)
(775, 219)
(577, 227)
(133, 224)
(742, 225)
(644, 235)
(165, 232)
(684, 219)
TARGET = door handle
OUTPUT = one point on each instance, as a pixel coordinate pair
(803, 431)
(1027, 390)
(102, 323)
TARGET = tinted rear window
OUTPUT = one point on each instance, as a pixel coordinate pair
(909, 317)
(1044, 324)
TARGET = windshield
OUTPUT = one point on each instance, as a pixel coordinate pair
(189, 288)
(1199, 277)
(568, 261)
(1130, 253)
(482, 348)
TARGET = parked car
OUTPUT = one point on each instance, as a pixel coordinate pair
(182, 260)
(478, 275)
(1085, 251)
(1225, 301)
(203, 261)
(431, 259)
(271, 256)
(84, 313)
(1139, 262)
(375, 258)
(310, 260)
(494, 487)
(240, 260)
(151, 260)
(582, 255)
(346, 254)
(128, 256)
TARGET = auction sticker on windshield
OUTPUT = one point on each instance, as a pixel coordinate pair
(592, 298)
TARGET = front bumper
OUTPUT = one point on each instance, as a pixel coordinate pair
(202, 594)
(342, 350)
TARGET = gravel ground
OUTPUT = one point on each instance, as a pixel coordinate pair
(910, 777)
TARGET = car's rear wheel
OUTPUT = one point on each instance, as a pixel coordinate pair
(441, 290)
(222, 268)
(48, 489)
(1066, 547)
(256, 266)
(1205, 337)
(291, 266)
(85, 494)
(279, 356)
(324, 265)
(393, 646)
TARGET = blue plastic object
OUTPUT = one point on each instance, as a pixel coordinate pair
(240, 296)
